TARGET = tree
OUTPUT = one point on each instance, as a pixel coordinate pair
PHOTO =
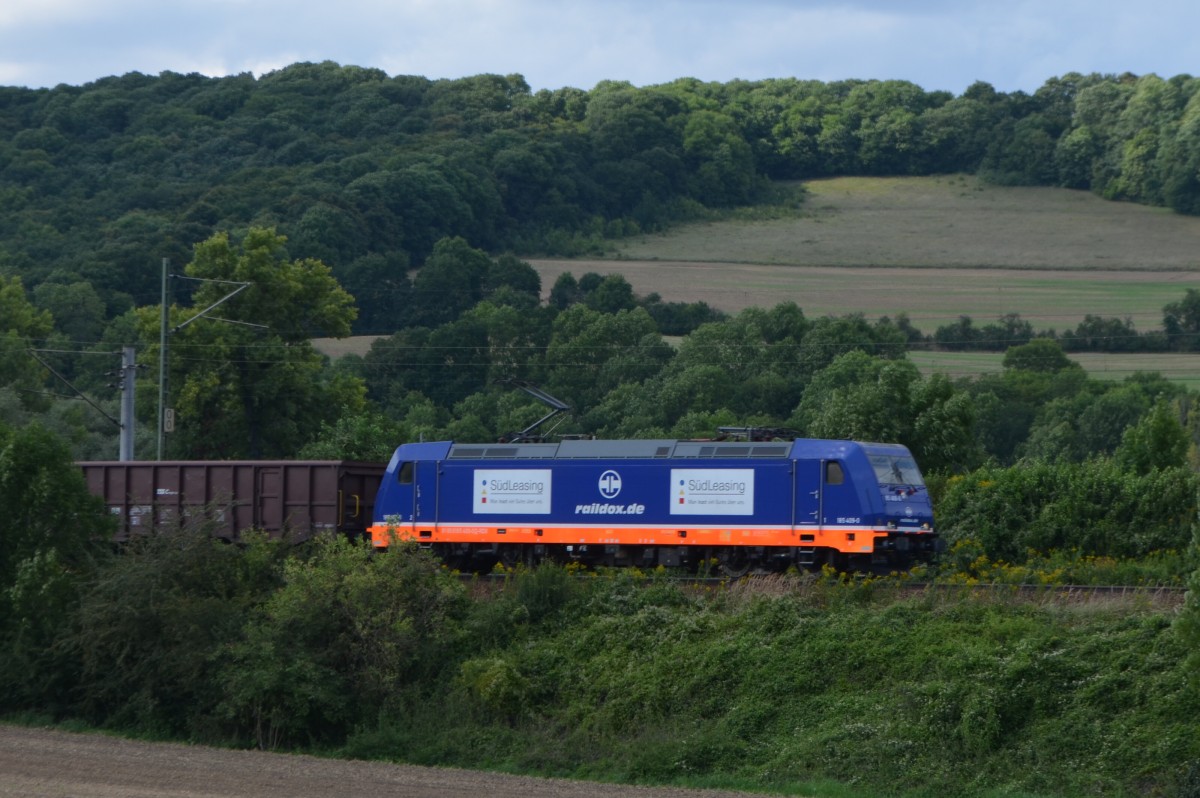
(858, 397)
(961, 334)
(52, 531)
(830, 337)
(565, 291)
(612, 295)
(381, 290)
(1098, 334)
(450, 282)
(254, 391)
(1158, 441)
(409, 209)
(517, 335)
(1181, 322)
(509, 272)
(943, 423)
(1041, 354)
(590, 353)
(722, 162)
(1073, 157)
(1007, 331)
(368, 436)
(46, 502)
(21, 325)
(77, 309)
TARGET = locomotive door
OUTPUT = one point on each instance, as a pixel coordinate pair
(406, 499)
(807, 509)
(424, 497)
(840, 505)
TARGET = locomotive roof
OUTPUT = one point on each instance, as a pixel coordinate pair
(646, 449)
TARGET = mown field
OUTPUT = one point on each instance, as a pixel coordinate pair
(1179, 367)
(935, 248)
(941, 222)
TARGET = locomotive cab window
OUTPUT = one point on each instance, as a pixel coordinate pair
(405, 474)
(833, 473)
(893, 470)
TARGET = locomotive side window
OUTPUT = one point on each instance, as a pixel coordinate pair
(405, 475)
(833, 473)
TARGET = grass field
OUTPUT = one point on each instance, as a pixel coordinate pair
(942, 222)
(1181, 368)
(932, 247)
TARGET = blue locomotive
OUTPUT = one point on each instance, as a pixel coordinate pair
(739, 505)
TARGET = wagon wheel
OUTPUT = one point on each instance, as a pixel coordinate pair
(735, 562)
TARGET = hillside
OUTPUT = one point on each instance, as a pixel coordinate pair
(932, 247)
(943, 221)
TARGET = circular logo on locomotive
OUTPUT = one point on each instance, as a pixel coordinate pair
(610, 484)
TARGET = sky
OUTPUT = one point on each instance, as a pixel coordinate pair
(938, 44)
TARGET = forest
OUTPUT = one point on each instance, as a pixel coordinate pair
(367, 172)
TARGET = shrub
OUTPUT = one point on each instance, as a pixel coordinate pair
(333, 645)
(155, 624)
(1094, 507)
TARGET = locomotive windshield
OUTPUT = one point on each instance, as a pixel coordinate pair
(893, 470)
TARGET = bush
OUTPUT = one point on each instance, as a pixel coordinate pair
(154, 628)
(51, 532)
(1093, 507)
(334, 644)
(46, 502)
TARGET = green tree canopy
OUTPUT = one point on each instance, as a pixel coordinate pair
(21, 327)
(1158, 441)
(860, 397)
(1041, 354)
(249, 383)
(46, 502)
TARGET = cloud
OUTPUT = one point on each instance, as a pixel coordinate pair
(44, 17)
(938, 44)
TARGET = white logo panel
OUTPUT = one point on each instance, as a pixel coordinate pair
(712, 491)
(512, 491)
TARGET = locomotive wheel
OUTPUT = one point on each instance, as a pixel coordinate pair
(735, 562)
(513, 557)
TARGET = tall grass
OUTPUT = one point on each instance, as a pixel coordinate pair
(817, 686)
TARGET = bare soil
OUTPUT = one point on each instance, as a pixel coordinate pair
(56, 764)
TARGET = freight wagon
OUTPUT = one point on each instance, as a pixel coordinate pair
(739, 506)
(297, 499)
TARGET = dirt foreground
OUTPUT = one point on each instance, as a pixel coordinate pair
(44, 763)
